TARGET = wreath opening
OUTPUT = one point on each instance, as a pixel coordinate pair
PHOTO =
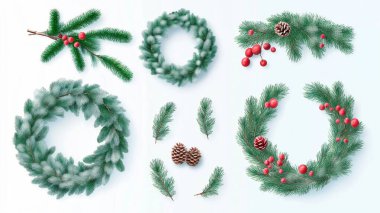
(61, 175)
(151, 47)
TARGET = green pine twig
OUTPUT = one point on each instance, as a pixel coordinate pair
(116, 67)
(111, 34)
(161, 180)
(81, 21)
(205, 120)
(52, 50)
(161, 120)
(214, 183)
(79, 62)
(54, 23)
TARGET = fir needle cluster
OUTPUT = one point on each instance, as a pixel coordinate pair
(161, 120)
(214, 183)
(160, 178)
(205, 120)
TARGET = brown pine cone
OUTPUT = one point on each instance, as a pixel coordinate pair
(179, 153)
(282, 29)
(193, 156)
(260, 143)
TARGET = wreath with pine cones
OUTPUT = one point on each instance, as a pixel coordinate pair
(273, 168)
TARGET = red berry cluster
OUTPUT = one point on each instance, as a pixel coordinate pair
(322, 36)
(302, 169)
(256, 50)
(269, 165)
(354, 122)
(68, 40)
(272, 103)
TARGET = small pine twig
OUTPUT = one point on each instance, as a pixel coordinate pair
(214, 183)
(205, 120)
(161, 120)
(160, 180)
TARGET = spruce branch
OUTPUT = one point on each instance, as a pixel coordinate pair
(81, 21)
(54, 23)
(214, 183)
(78, 59)
(205, 120)
(161, 120)
(161, 180)
(52, 50)
(111, 34)
(116, 67)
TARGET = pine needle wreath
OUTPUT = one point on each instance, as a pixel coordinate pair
(333, 158)
(292, 31)
(151, 47)
(54, 171)
(82, 44)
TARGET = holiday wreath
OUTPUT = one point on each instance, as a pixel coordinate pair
(333, 158)
(151, 47)
(55, 172)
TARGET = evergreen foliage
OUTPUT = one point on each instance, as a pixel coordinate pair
(305, 30)
(161, 120)
(110, 34)
(214, 183)
(52, 50)
(161, 180)
(332, 160)
(205, 120)
(61, 175)
(81, 21)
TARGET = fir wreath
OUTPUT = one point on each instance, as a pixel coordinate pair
(55, 172)
(151, 47)
(333, 158)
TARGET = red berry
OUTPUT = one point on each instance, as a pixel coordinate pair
(265, 171)
(273, 49)
(71, 39)
(245, 62)
(266, 162)
(337, 139)
(331, 109)
(345, 140)
(346, 120)
(280, 163)
(302, 169)
(263, 62)
(327, 105)
(322, 45)
(355, 122)
(337, 108)
(267, 105)
(269, 166)
(323, 36)
(311, 173)
(64, 37)
(82, 35)
(266, 46)
(281, 156)
(322, 107)
(66, 42)
(251, 32)
(273, 103)
(256, 49)
(280, 171)
(271, 159)
(283, 180)
(337, 121)
(248, 52)
(60, 35)
(76, 44)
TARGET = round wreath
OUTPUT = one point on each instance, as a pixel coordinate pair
(55, 172)
(272, 168)
(151, 47)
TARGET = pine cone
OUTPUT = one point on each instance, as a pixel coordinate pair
(260, 143)
(282, 29)
(193, 156)
(179, 153)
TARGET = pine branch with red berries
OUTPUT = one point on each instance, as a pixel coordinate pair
(293, 31)
(66, 35)
(272, 168)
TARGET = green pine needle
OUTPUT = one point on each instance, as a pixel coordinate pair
(214, 183)
(205, 120)
(52, 50)
(161, 180)
(116, 67)
(111, 34)
(54, 25)
(77, 58)
(81, 21)
(161, 120)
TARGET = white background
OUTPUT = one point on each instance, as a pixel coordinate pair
(300, 128)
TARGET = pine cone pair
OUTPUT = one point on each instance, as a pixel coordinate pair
(180, 155)
(282, 29)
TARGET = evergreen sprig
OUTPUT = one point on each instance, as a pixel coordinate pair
(161, 120)
(205, 120)
(161, 180)
(214, 183)
(331, 162)
(89, 46)
(305, 30)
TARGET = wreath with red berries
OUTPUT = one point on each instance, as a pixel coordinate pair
(272, 167)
